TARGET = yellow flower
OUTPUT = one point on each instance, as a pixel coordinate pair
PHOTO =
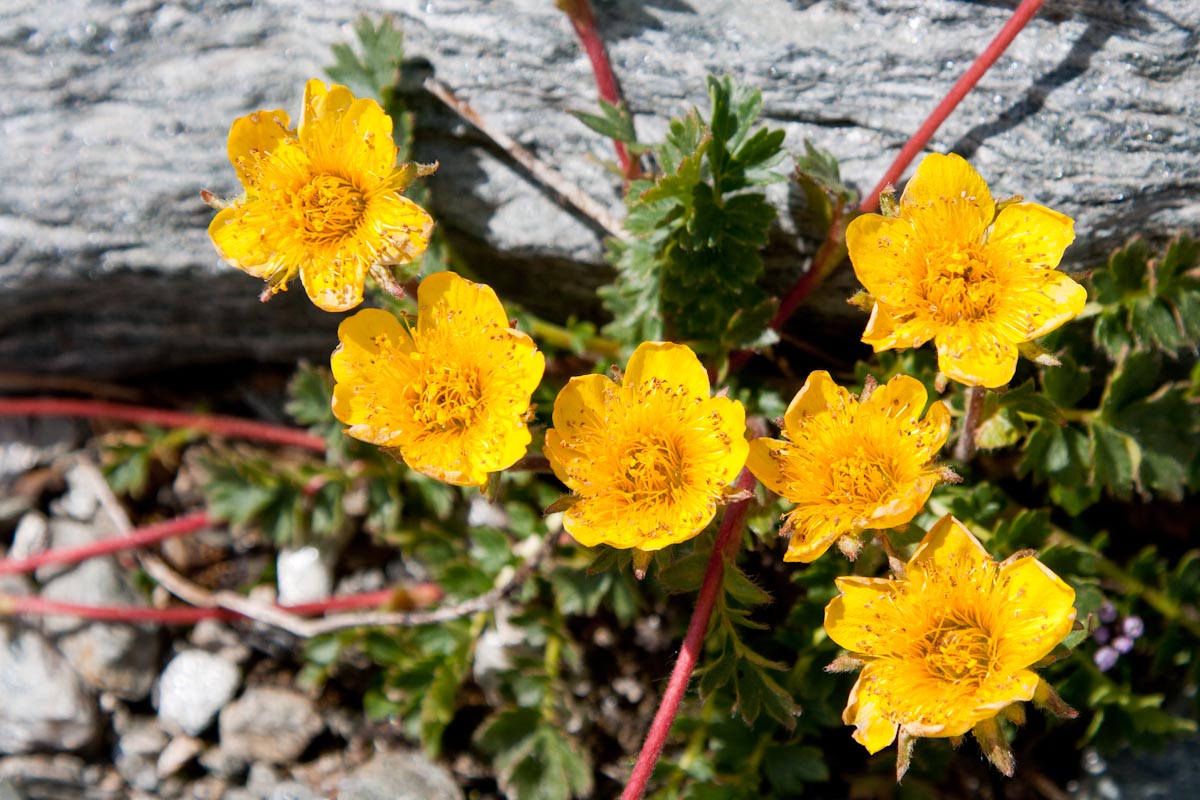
(453, 395)
(949, 268)
(848, 465)
(648, 459)
(323, 200)
(949, 646)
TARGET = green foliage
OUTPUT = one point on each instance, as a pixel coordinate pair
(690, 266)
(128, 460)
(533, 758)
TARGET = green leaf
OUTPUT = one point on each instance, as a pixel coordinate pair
(687, 573)
(789, 766)
(614, 121)
(382, 48)
(742, 589)
(1114, 459)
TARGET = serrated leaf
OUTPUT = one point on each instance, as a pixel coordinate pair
(685, 574)
(742, 589)
(788, 767)
(1115, 458)
(614, 121)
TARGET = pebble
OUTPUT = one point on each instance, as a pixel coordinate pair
(400, 776)
(115, 657)
(269, 724)
(137, 754)
(193, 688)
(290, 791)
(304, 575)
(176, 755)
(42, 706)
(31, 537)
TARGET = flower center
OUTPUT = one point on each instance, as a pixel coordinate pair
(954, 652)
(857, 481)
(329, 207)
(449, 400)
(654, 465)
(959, 284)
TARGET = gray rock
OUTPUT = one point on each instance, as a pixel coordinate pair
(269, 724)
(400, 776)
(80, 501)
(137, 754)
(42, 706)
(193, 688)
(261, 780)
(44, 776)
(119, 114)
(291, 791)
(223, 764)
(115, 657)
(31, 536)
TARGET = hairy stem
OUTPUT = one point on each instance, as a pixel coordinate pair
(728, 538)
(32, 605)
(180, 526)
(964, 451)
(143, 415)
(583, 20)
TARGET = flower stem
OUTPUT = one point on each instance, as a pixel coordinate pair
(142, 415)
(180, 526)
(964, 451)
(728, 538)
(32, 605)
(1020, 18)
(583, 20)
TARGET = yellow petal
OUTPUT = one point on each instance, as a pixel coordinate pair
(401, 226)
(947, 200)
(237, 234)
(813, 535)
(364, 134)
(950, 549)
(675, 365)
(819, 393)
(766, 460)
(323, 109)
(1030, 235)
(1035, 610)
(444, 291)
(934, 429)
(976, 355)
(865, 711)
(253, 136)
(581, 406)
(334, 283)
(1002, 690)
(1040, 305)
(885, 332)
(858, 618)
(906, 504)
(730, 418)
(901, 398)
(882, 250)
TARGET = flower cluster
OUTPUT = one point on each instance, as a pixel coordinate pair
(945, 646)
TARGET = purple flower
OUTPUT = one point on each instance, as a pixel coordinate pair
(1102, 635)
(1107, 613)
(1122, 644)
(1133, 627)
(1106, 658)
